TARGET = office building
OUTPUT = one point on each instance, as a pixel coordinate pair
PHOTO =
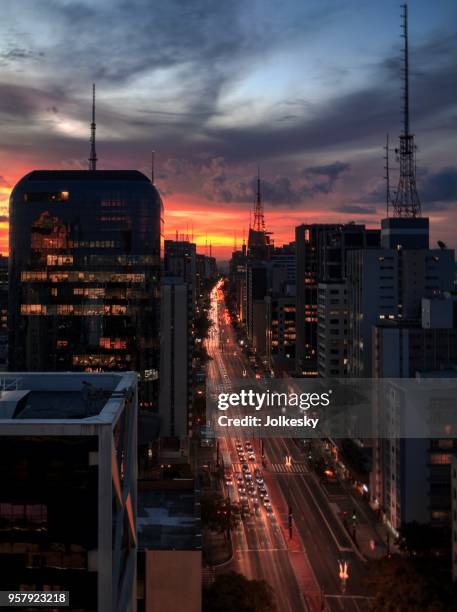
(389, 284)
(332, 329)
(411, 477)
(238, 283)
(68, 496)
(280, 333)
(256, 290)
(321, 256)
(284, 257)
(454, 515)
(206, 272)
(3, 313)
(180, 261)
(176, 344)
(84, 274)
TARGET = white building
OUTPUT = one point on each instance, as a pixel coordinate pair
(68, 495)
(389, 284)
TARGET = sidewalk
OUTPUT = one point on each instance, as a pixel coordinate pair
(298, 558)
(371, 538)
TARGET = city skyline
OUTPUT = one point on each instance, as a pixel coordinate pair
(198, 94)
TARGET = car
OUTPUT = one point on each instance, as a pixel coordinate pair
(251, 457)
(240, 478)
(258, 472)
(260, 481)
(245, 467)
(241, 489)
(251, 491)
(248, 446)
(239, 448)
(255, 501)
(248, 477)
(266, 501)
(269, 510)
(243, 498)
(228, 481)
(261, 491)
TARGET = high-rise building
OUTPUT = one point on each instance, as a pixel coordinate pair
(3, 313)
(284, 257)
(454, 515)
(238, 282)
(411, 477)
(176, 346)
(206, 271)
(68, 496)
(280, 332)
(256, 290)
(180, 261)
(321, 255)
(84, 274)
(332, 329)
(389, 284)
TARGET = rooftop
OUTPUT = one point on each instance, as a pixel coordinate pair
(61, 397)
(87, 175)
(167, 521)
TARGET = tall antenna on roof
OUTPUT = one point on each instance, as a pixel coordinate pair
(259, 218)
(387, 175)
(152, 166)
(406, 203)
(93, 154)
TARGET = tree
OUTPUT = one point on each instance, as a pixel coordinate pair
(416, 539)
(234, 591)
(218, 514)
(403, 585)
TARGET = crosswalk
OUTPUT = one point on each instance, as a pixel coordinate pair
(298, 467)
(351, 603)
(281, 468)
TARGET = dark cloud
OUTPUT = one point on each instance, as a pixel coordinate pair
(439, 187)
(323, 178)
(15, 54)
(355, 209)
(209, 47)
(217, 181)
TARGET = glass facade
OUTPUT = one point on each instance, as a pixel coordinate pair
(48, 516)
(84, 274)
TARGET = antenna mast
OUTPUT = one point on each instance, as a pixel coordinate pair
(152, 166)
(93, 154)
(259, 218)
(387, 175)
(406, 203)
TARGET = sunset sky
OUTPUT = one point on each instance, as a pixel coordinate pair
(305, 89)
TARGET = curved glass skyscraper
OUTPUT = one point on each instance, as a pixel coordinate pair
(84, 276)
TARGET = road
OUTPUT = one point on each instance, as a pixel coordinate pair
(303, 571)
